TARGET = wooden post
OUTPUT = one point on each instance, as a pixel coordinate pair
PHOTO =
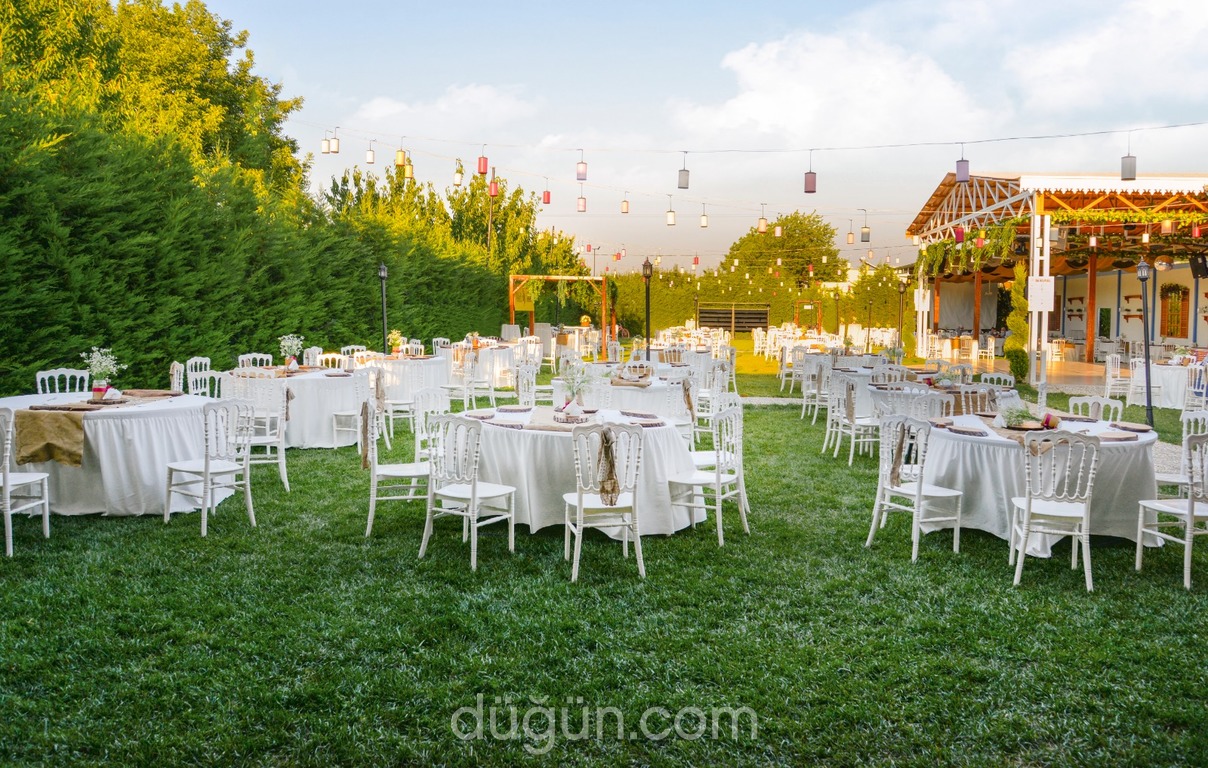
(935, 314)
(977, 292)
(1092, 321)
(512, 299)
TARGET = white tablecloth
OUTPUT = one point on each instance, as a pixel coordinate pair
(430, 372)
(316, 397)
(126, 454)
(862, 378)
(1170, 387)
(541, 466)
(500, 359)
(989, 471)
(652, 399)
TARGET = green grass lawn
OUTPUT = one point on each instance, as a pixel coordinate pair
(301, 642)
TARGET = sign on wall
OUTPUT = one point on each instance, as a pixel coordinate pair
(1040, 293)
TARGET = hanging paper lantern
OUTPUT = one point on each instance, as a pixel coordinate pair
(959, 234)
(811, 182)
(400, 158)
(545, 197)
(493, 188)
(482, 165)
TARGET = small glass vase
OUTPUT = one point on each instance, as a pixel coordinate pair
(99, 388)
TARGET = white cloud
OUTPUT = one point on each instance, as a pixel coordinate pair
(456, 107)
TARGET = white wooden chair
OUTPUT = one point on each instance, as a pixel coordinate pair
(1192, 423)
(1059, 476)
(702, 489)
(455, 490)
(1196, 397)
(814, 396)
(932, 405)
(269, 401)
(1115, 382)
(607, 461)
(862, 431)
(900, 486)
(985, 352)
(254, 360)
(209, 383)
(404, 481)
(224, 466)
(1189, 515)
(330, 360)
(1095, 407)
(350, 421)
(998, 379)
(352, 349)
(176, 376)
(63, 380)
(977, 398)
(1136, 383)
(310, 356)
(19, 491)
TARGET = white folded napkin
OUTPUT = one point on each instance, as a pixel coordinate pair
(113, 393)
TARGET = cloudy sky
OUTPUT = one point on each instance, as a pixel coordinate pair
(746, 89)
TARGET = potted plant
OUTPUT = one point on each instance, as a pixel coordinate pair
(102, 366)
(395, 340)
(291, 347)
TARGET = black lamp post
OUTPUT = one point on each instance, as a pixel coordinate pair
(1143, 276)
(382, 275)
(837, 321)
(901, 309)
(647, 273)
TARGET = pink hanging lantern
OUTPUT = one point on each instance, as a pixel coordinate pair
(482, 163)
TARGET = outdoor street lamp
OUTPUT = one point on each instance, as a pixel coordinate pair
(837, 322)
(1143, 276)
(647, 273)
(382, 275)
(901, 309)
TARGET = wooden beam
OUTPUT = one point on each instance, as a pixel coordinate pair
(1092, 320)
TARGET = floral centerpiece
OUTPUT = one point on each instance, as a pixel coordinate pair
(291, 347)
(395, 340)
(1015, 415)
(102, 366)
(576, 379)
(585, 320)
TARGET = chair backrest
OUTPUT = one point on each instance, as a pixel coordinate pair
(637, 369)
(453, 453)
(176, 376)
(195, 364)
(63, 380)
(977, 398)
(440, 342)
(208, 383)
(614, 351)
(903, 449)
(998, 379)
(1195, 463)
(267, 396)
(727, 440)
(331, 360)
(965, 372)
(526, 383)
(887, 402)
(937, 363)
(351, 349)
(310, 356)
(254, 359)
(1060, 466)
(590, 466)
(415, 347)
(1112, 366)
(932, 405)
(430, 402)
(887, 374)
(228, 430)
(1097, 407)
(6, 448)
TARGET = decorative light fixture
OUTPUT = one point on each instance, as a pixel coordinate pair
(1195, 230)
(325, 145)
(1128, 163)
(761, 226)
(865, 232)
(370, 156)
(622, 252)
(581, 168)
(670, 214)
(625, 203)
(581, 204)
(1163, 263)
(851, 236)
(1144, 238)
(1093, 242)
(683, 174)
(400, 157)
(409, 170)
(695, 261)
(1143, 276)
(916, 241)
(335, 141)
(778, 262)
(458, 173)
(545, 197)
(778, 231)
(980, 240)
(1167, 226)
(704, 217)
(482, 161)
(959, 235)
(962, 168)
(493, 187)
(811, 178)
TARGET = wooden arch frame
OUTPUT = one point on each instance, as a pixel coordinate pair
(516, 282)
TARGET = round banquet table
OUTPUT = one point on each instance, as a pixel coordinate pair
(540, 464)
(1170, 387)
(126, 454)
(317, 395)
(989, 472)
(862, 378)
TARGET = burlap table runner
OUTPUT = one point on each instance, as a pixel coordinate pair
(56, 432)
(617, 381)
(542, 420)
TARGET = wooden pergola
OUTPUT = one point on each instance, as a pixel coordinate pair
(1151, 217)
(517, 282)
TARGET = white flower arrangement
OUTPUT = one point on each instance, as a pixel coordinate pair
(576, 379)
(291, 345)
(102, 365)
